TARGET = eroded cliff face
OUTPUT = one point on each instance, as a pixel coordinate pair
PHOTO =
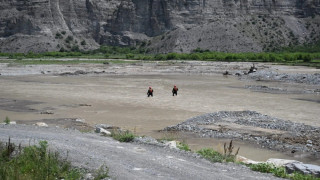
(159, 25)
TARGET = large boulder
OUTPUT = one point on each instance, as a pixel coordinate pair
(303, 168)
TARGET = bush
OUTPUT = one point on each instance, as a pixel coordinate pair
(159, 57)
(129, 56)
(306, 58)
(35, 162)
(122, 136)
(83, 43)
(211, 155)
(58, 36)
(183, 146)
(7, 120)
(69, 39)
(172, 56)
(75, 48)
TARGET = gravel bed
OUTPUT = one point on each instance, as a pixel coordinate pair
(295, 137)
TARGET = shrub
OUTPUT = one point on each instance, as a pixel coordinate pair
(183, 146)
(211, 155)
(69, 39)
(306, 58)
(171, 56)
(75, 48)
(122, 136)
(58, 36)
(83, 43)
(129, 56)
(35, 162)
(7, 120)
(159, 57)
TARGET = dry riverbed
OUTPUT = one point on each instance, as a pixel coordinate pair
(82, 95)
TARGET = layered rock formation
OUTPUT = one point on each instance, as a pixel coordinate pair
(158, 25)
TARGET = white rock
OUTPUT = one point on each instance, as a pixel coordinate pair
(80, 120)
(41, 124)
(171, 144)
(246, 160)
(88, 176)
(281, 162)
(102, 131)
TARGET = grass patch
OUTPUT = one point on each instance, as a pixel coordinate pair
(215, 156)
(7, 120)
(183, 146)
(37, 162)
(122, 136)
(34, 162)
(280, 172)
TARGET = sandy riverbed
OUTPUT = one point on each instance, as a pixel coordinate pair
(116, 94)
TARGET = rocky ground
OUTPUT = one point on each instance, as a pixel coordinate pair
(126, 160)
(269, 132)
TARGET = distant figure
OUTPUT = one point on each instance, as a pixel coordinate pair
(175, 91)
(252, 69)
(150, 92)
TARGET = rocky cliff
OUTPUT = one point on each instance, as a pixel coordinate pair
(158, 25)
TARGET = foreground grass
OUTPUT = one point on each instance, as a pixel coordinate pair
(37, 162)
(34, 162)
(280, 172)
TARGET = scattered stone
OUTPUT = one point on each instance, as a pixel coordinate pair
(47, 112)
(85, 105)
(88, 176)
(106, 126)
(269, 132)
(171, 144)
(79, 72)
(80, 120)
(246, 160)
(13, 123)
(281, 162)
(102, 131)
(303, 168)
(226, 73)
(41, 124)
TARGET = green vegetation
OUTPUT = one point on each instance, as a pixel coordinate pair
(211, 155)
(183, 146)
(34, 162)
(7, 120)
(122, 136)
(280, 172)
(101, 173)
(306, 55)
(215, 156)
